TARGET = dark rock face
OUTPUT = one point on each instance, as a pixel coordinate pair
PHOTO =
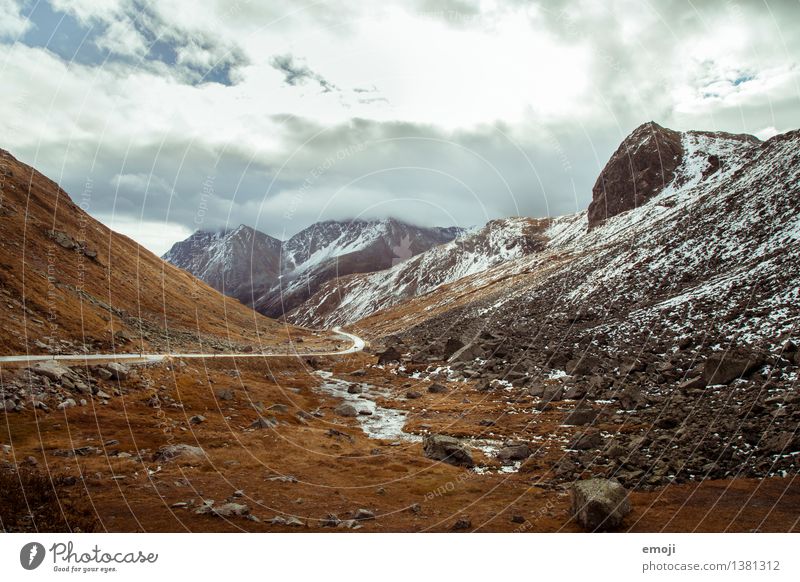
(276, 276)
(235, 262)
(641, 167)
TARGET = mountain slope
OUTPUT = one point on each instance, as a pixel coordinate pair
(233, 262)
(69, 284)
(672, 328)
(345, 300)
(718, 233)
(274, 277)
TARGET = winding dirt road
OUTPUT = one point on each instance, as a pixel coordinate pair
(358, 345)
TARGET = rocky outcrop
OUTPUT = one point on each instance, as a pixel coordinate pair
(641, 167)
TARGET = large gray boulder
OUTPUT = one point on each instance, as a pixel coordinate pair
(51, 370)
(599, 504)
(447, 449)
(725, 367)
(118, 371)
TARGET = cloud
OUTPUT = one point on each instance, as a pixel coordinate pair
(442, 111)
(12, 24)
(297, 73)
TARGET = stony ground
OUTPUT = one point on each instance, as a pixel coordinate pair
(150, 447)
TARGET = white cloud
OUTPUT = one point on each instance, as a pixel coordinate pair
(543, 97)
(12, 23)
(121, 37)
(157, 237)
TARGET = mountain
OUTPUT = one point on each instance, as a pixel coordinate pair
(329, 250)
(233, 261)
(344, 300)
(647, 161)
(275, 277)
(69, 284)
(674, 320)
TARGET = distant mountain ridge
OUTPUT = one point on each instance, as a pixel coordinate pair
(276, 276)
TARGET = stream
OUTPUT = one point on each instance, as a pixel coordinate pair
(387, 423)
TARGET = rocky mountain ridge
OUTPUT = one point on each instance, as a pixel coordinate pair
(275, 277)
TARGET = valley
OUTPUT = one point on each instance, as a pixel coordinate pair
(480, 379)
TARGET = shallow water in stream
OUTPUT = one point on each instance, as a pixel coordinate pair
(387, 423)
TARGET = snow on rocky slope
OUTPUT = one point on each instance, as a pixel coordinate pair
(275, 276)
(714, 253)
(347, 299)
(232, 261)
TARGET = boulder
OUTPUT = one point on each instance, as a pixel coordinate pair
(118, 371)
(224, 510)
(262, 423)
(224, 394)
(725, 367)
(181, 451)
(413, 395)
(514, 452)
(68, 403)
(362, 514)
(599, 504)
(51, 370)
(583, 365)
(437, 389)
(103, 373)
(389, 355)
(447, 449)
(346, 409)
(591, 439)
(581, 416)
(692, 383)
(354, 389)
(451, 346)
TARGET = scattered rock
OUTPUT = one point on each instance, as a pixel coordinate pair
(437, 389)
(183, 451)
(262, 423)
(362, 514)
(224, 394)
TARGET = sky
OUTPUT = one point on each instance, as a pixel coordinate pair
(167, 117)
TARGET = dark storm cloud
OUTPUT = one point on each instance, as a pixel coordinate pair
(297, 73)
(362, 168)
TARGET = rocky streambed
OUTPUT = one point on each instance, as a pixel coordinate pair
(378, 421)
